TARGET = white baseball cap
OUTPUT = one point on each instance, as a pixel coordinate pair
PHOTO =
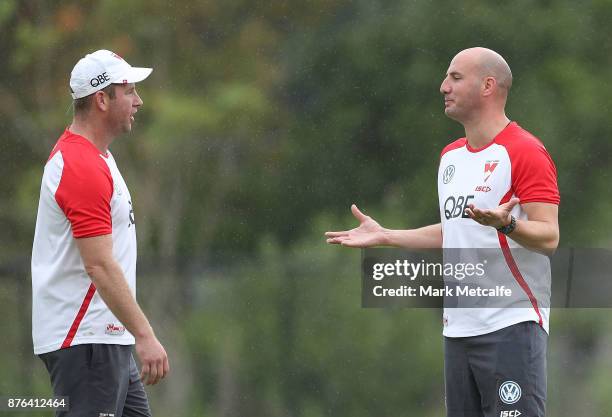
(100, 69)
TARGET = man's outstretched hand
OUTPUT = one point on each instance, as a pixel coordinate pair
(368, 233)
(496, 218)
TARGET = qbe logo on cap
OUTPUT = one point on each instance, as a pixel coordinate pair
(510, 392)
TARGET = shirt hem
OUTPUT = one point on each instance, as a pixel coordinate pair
(39, 350)
(490, 329)
(555, 201)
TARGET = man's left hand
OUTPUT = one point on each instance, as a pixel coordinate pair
(496, 218)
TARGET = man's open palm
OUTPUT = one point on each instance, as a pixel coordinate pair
(368, 233)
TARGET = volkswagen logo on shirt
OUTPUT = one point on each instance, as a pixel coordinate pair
(448, 174)
(510, 392)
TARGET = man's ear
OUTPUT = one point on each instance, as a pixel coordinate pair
(101, 100)
(488, 86)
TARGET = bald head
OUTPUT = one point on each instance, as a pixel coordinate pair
(489, 63)
(476, 85)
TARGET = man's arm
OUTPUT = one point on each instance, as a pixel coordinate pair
(369, 233)
(540, 232)
(106, 274)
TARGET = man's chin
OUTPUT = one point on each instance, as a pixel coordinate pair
(450, 114)
(123, 130)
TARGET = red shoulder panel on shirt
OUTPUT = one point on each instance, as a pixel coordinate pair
(534, 175)
(459, 143)
(86, 187)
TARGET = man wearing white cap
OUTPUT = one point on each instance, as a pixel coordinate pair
(85, 317)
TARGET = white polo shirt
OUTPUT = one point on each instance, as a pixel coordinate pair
(514, 164)
(82, 195)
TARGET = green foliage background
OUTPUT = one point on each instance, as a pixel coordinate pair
(262, 123)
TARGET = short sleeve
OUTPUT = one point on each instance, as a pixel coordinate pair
(534, 175)
(84, 194)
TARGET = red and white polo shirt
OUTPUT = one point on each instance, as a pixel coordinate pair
(514, 164)
(82, 195)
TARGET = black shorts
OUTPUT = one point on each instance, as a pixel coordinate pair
(499, 374)
(98, 379)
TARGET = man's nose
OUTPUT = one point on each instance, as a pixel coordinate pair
(444, 87)
(138, 100)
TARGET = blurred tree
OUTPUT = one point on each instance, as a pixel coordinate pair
(260, 120)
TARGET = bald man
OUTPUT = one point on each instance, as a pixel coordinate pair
(497, 189)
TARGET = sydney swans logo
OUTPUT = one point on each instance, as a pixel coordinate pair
(489, 168)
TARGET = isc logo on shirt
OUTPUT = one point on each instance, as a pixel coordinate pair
(512, 413)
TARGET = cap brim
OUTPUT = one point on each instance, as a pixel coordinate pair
(134, 75)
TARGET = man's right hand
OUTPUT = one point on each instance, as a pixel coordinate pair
(369, 233)
(153, 359)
